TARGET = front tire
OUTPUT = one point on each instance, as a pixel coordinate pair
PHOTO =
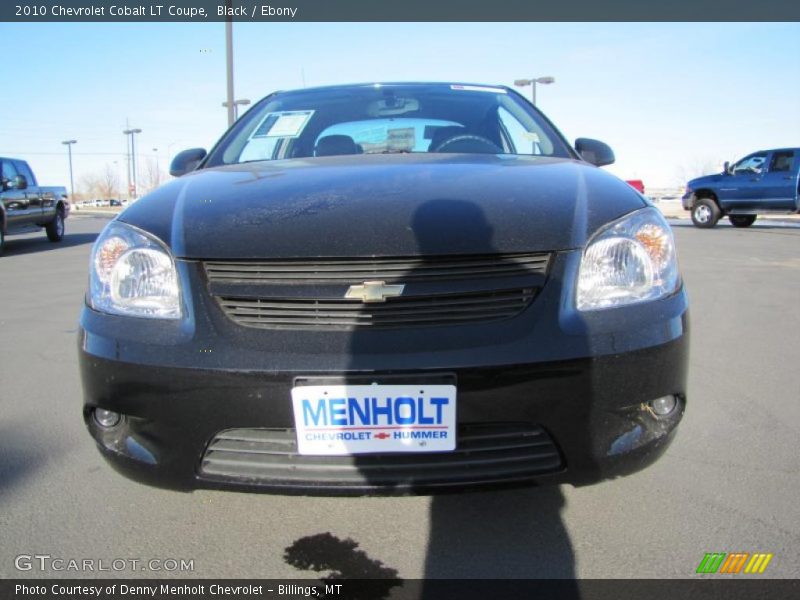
(705, 213)
(742, 220)
(55, 228)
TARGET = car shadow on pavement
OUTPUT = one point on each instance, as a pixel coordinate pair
(40, 243)
(508, 534)
(483, 536)
(17, 460)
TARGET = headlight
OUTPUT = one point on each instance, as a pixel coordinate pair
(628, 261)
(132, 273)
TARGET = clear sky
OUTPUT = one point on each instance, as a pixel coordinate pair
(671, 99)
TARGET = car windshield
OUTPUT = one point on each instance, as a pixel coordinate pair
(389, 119)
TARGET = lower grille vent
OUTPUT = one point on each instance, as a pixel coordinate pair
(492, 452)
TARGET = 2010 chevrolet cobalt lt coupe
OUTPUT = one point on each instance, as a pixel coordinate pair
(385, 288)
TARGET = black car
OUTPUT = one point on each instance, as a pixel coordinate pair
(385, 288)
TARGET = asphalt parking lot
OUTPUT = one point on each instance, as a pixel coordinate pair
(730, 482)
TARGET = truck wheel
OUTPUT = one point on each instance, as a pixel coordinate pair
(705, 213)
(55, 228)
(742, 220)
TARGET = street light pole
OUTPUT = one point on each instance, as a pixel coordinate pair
(68, 144)
(236, 104)
(131, 133)
(116, 191)
(532, 82)
(158, 167)
(229, 66)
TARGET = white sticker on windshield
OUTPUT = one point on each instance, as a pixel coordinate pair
(401, 139)
(531, 136)
(282, 124)
(478, 88)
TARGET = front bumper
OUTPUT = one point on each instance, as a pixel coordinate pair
(687, 200)
(580, 381)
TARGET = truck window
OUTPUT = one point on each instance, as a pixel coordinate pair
(750, 164)
(7, 171)
(782, 161)
(24, 169)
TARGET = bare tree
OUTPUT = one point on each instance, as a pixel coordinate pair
(697, 167)
(153, 176)
(80, 193)
(100, 185)
(89, 186)
(108, 183)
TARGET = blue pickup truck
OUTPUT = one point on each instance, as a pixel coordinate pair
(764, 182)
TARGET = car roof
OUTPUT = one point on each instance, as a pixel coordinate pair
(777, 150)
(351, 86)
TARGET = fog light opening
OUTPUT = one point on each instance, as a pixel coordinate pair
(106, 418)
(664, 405)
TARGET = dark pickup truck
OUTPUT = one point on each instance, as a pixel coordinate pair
(26, 206)
(765, 182)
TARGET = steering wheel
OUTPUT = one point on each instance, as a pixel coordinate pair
(469, 144)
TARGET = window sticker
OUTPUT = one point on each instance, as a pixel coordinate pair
(531, 136)
(282, 124)
(478, 88)
(401, 139)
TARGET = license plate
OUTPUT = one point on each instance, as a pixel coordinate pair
(368, 419)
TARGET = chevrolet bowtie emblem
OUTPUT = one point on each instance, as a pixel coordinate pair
(373, 291)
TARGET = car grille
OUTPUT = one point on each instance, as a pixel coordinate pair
(384, 269)
(439, 291)
(485, 453)
(432, 310)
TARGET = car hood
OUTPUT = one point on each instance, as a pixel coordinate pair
(383, 205)
(705, 180)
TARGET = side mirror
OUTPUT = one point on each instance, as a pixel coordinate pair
(727, 167)
(20, 182)
(186, 161)
(594, 151)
